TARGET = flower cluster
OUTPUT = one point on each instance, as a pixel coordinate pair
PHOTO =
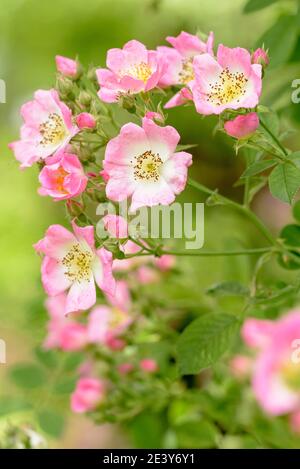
(85, 157)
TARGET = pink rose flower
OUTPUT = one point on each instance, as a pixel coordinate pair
(149, 365)
(85, 120)
(116, 226)
(72, 263)
(64, 179)
(242, 126)
(132, 69)
(47, 128)
(295, 422)
(260, 56)
(156, 116)
(230, 81)
(121, 298)
(66, 66)
(276, 371)
(165, 262)
(147, 275)
(125, 368)
(63, 333)
(106, 324)
(88, 394)
(179, 59)
(240, 366)
(141, 163)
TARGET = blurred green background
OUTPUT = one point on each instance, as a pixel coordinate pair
(31, 34)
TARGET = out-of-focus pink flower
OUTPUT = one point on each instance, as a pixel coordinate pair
(86, 120)
(125, 368)
(63, 179)
(230, 81)
(149, 365)
(257, 333)
(47, 128)
(260, 56)
(116, 226)
(179, 59)
(142, 163)
(129, 70)
(242, 126)
(241, 366)
(121, 298)
(104, 175)
(107, 323)
(63, 332)
(115, 343)
(295, 422)
(276, 370)
(66, 66)
(165, 262)
(71, 262)
(146, 275)
(122, 265)
(88, 395)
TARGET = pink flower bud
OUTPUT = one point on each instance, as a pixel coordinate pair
(85, 120)
(240, 366)
(66, 66)
(116, 226)
(125, 368)
(154, 116)
(104, 175)
(242, 126)
(114, 343)
(149, 365)
(261, 57)
(88, 394)
(165, 262)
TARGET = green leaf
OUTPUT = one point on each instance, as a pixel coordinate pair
(51, 423)
(46, 357)
(27, 376)
(296, 211)
(254, 5)
(258, 167)
(271, 120)
(280, 39)
(72, 361)
(228, 289)
(291, 235)
(204, 341)
(200, 434)
(284, 182)
(8, 405)
(65, 386)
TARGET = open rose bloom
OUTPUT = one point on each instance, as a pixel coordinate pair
(63, 179)
(47, 128)
(276, 370)
(229, 81)
(129, 70)
(71, 262)
(142, 163)
(179, 60)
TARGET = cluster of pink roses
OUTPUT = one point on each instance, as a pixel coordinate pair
(275, 367)
(140, 164)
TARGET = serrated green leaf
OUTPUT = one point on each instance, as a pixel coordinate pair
(254, 5)
(51, 423)
(284, 182)
(258, 167)
(280, 39)
(204, 341)
(27, 375)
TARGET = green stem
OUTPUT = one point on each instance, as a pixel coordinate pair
(244, 252)
(275, 139)
(240, 208)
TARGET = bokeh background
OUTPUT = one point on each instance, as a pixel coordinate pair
(31, 34)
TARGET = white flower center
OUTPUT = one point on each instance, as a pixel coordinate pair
(229, 86)
(53, 130)
(147, 166)
(77, 263)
